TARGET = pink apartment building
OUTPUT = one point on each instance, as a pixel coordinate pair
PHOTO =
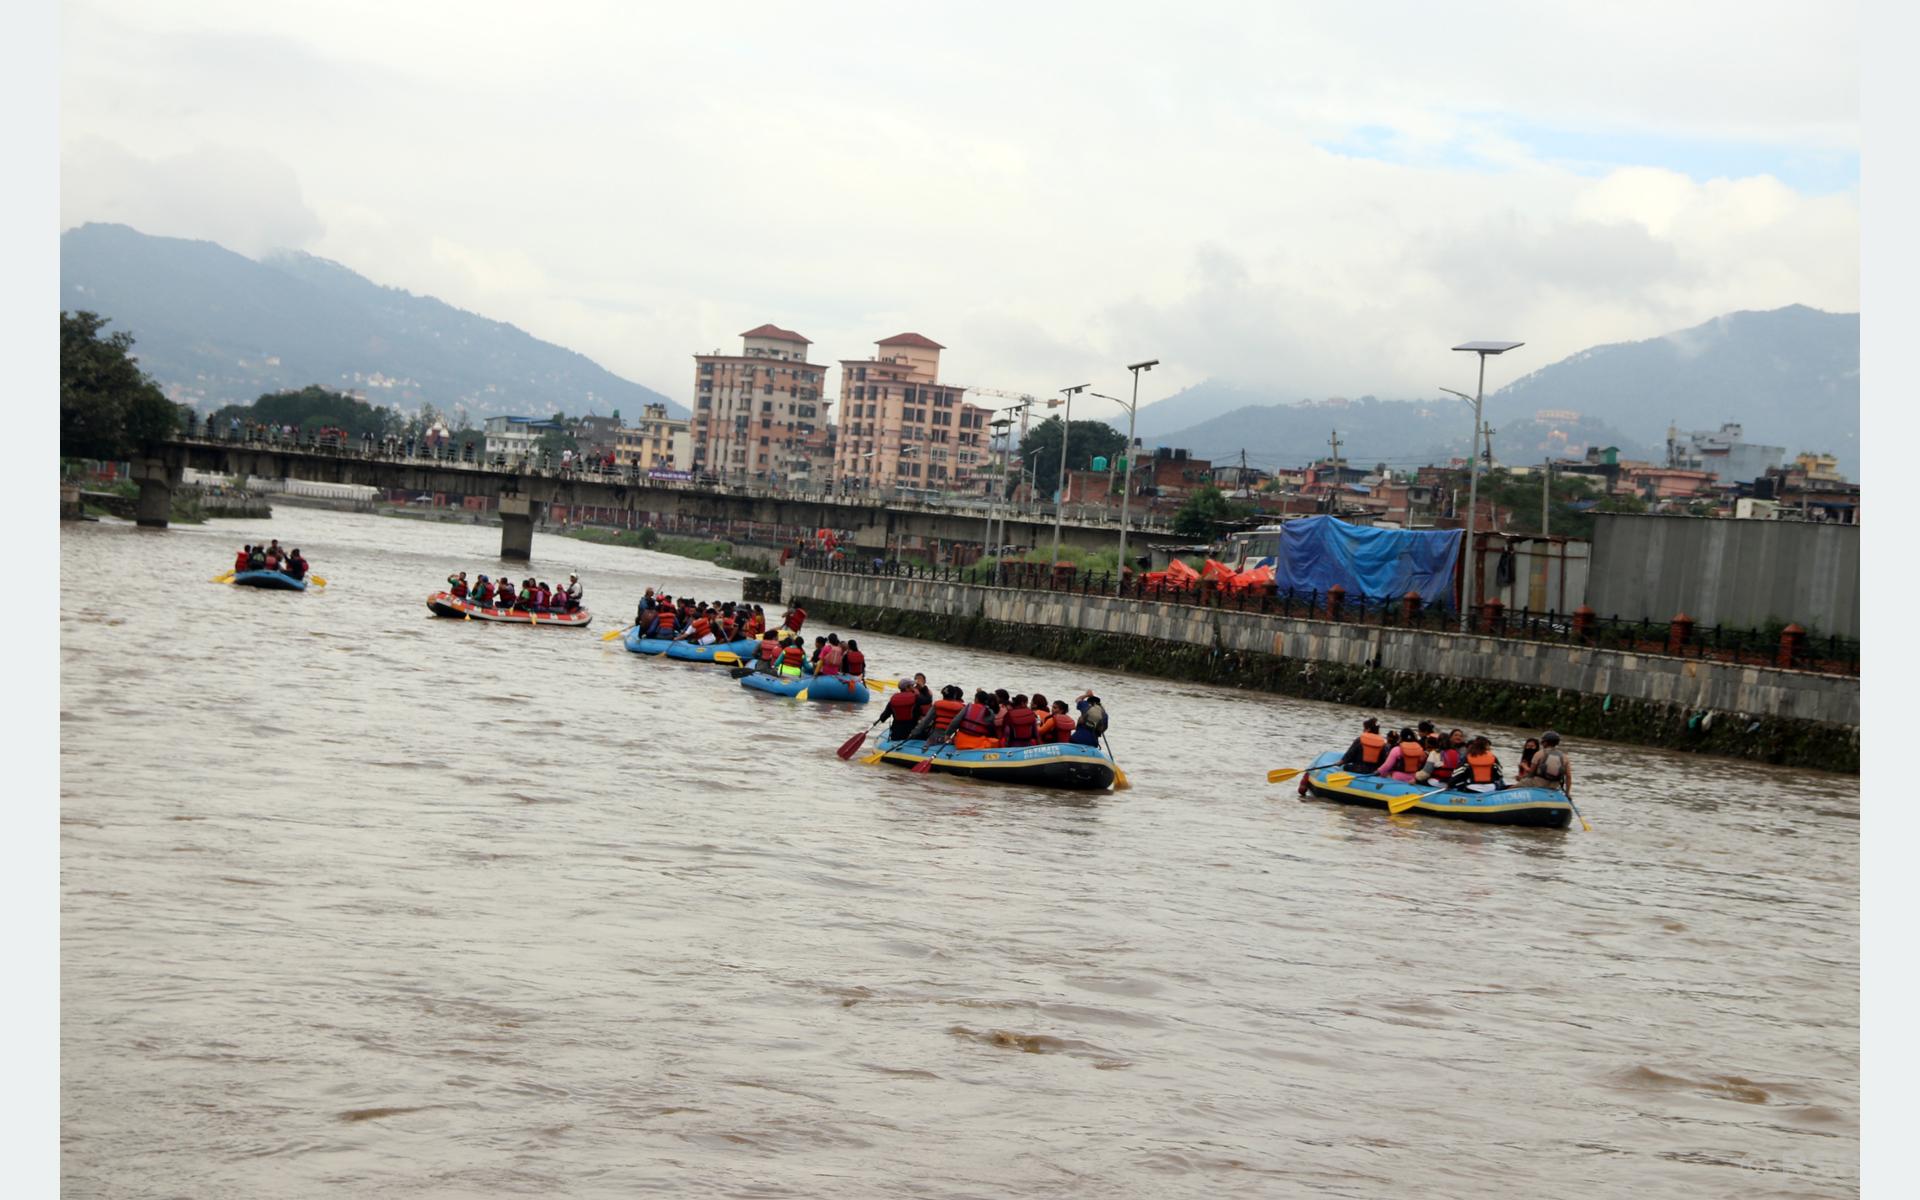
(901, 427)
(759, 415)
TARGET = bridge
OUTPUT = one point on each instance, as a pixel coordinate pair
(521, 492)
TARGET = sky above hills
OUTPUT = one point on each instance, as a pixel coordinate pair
(1287, 195)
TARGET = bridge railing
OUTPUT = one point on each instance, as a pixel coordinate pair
(463, 457)
(1789, 647)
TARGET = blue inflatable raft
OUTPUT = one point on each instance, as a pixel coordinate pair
(1540, 807)
(639, 645)
(690, 652)
(1058, 764)
(269, 579)
(833, 687)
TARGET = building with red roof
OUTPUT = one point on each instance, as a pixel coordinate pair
(901, 427)
(759, 414)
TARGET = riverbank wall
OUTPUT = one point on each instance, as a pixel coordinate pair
(1795, 718)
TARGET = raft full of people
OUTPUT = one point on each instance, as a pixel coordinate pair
(532, 603)
(269, 566)
(1419, 769)
(997, 737)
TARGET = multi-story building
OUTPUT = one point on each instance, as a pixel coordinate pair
(1724, 452)
(657, 443)
(755, 412)
(901, 427)
(516, 436)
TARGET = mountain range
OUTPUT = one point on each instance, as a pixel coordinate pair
(1790, 377)
(214, 327)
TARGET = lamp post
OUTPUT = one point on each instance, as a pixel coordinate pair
(1060, 481)
(1001, 427)
(1483, 349)
(1126, 483)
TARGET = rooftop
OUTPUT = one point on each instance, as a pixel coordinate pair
(910, 339)
(776, 333)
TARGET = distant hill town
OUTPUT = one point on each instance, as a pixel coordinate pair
(215, 328)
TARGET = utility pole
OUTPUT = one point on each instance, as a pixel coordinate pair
(1060, 475)
(1546, 495)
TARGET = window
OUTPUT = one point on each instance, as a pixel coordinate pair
(860, 373)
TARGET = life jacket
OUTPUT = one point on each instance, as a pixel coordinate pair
(1442, 763)
(769, 649)
(903, 706)
(756, 625)
(459, 589)
(793, 656)
(542, 598)
(975, 719)
(794, 620)
(1021, 727)
(700, 628)
(484, 594)
(855, 664)
(240, 561)
(944, 713)
(666, 621)
(1062, 726)
(829, 661)
(1412, 755)
(1480, 767)
(1373, 749)
(1559, 760)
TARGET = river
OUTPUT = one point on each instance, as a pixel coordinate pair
(360, 902)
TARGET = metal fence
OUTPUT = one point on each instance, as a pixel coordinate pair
(1789, 647)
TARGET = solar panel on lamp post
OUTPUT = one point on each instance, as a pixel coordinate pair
(1060, 484)
(1483, 349)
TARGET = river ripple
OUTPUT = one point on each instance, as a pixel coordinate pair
(357, 902)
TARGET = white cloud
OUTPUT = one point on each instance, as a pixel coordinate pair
(1050, 190)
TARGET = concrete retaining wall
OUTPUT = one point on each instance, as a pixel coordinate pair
(1803, 717)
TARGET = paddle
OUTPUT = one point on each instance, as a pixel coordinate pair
(875, 757)
(226, 578)
(1120, 781)
(726, 658)
(614, 633)
(926, 764)
(852, 745)
(802, 693)
(319, 580)
(1576, 812)
(1282, 774)
(1400, 804)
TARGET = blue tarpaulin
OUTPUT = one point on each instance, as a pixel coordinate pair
(1318, 552)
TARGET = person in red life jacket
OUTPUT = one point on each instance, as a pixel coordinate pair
(1482, 773)
(793, 659)
(1058, 727)
(853, 663)
(296, 566)
(769, 649)
(940, 716)
(457, 585)
(1447, 755)
(1368, 751)
(483, 592)
(542, 596)
(973, 729)
(795, 618)
(756, 623)
(904, 709)
(1019, 725)
(241, 559)
(1406, 758)
(272, 557)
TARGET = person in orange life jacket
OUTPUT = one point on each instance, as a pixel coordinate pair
(1019, 725)
(1093, 720)
(241, 559)
(1550, 767)
(1368, 751)
(1482, 773)
(700, 632)
(1058, 727)
(457, 585)
(793, 659)
(1041, 713)
(1406, 758)
(973, 728)
(659, 624)
(939, 717)
(296, 566)
(757, 623)
(853, 663)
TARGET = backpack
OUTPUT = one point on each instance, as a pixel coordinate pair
(1095, 718)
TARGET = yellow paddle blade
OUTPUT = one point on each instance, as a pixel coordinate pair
(532, 618)
(1282, 774)
(1338, 779)
(318, 579)
(466, 616)
(611, 634)
(875, 757)
(726, 658)
(1120, 781)
(1400, 804)
(877, 685)
(222, 578)
(874, 682)
(801, 694)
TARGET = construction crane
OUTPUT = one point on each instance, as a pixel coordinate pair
(1026, 403)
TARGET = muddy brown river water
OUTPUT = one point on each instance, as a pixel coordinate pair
(357, 902)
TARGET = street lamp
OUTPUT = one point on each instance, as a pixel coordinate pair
(1060, 484)
(1483, 349)
(1001, 427)
(1126, 483)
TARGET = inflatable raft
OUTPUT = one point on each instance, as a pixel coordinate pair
(1058, 764)
(833, 687)
(689, 652)
(639, 645)
(1540, 807)
(445, 604)
(269, 579)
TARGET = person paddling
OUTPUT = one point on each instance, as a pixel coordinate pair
(853, 663)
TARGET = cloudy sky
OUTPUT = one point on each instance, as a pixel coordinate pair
(1314, 198)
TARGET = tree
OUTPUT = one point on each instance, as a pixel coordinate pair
(1086, 440)
(1205, 511)
(314, 407)
(109, 408)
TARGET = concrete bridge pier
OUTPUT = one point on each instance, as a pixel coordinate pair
(516, 528)
(157, 479)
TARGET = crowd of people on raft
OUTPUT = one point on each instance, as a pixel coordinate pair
(992, 720)
(1425, 756)
(271, 557)
(533, 595)
(702, 622)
